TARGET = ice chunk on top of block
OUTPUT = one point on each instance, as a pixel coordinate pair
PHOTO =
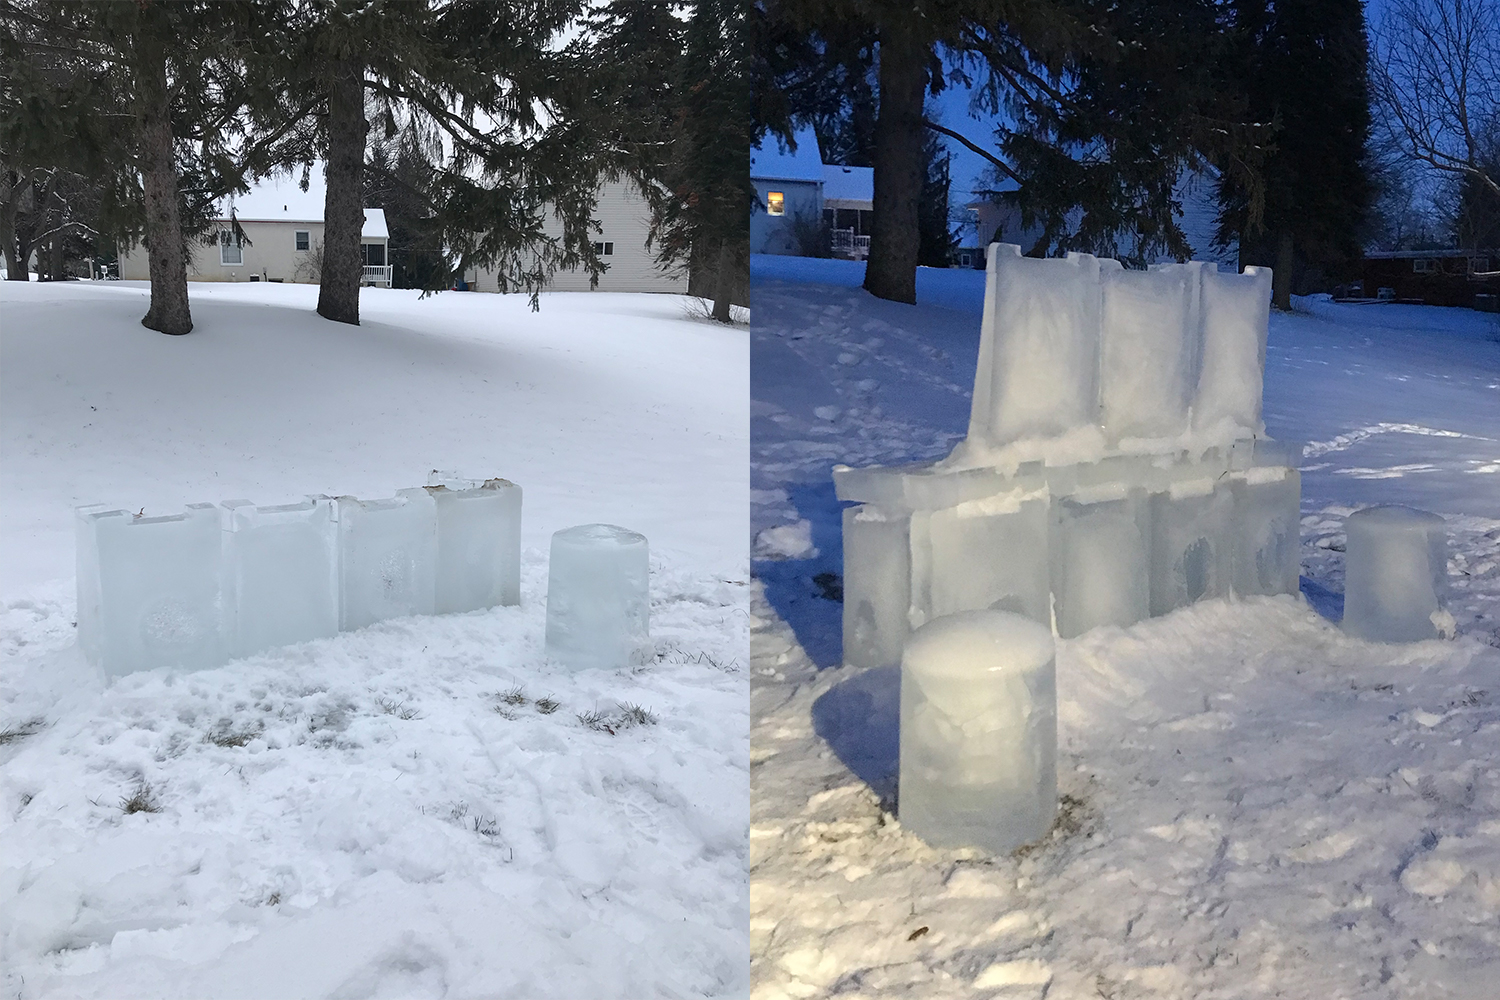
(598, 599)
(281, 573)
(387, 558)
(1395, 574)
(1148, 342)
(979, 731)
(478, 542)
(1236, 312)
(149, 589)
(1038, 347)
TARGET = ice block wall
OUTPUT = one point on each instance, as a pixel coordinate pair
(1115, 467)
(195, 589)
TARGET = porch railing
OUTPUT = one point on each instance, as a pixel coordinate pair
(378, 273)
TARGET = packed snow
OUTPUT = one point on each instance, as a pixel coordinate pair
(1252, 802)
(428, 806)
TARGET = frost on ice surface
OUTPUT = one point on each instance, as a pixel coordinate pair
(149, 589)
(387, 558)
(598, 605)
(281, 581)
(1396, 574)
(979, 731)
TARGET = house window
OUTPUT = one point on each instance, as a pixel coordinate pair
(775, 203)
(1421, 266)
(373, 254)
(302, 239)
(1477, 264)
(604, 249)
(230, 251)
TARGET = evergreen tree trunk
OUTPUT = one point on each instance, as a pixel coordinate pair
(166, 253)
(891, 272)
(343, 209)
(15, 186)
(724, 285)
(1281, 277)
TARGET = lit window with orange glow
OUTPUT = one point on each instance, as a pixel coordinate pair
(775, 203)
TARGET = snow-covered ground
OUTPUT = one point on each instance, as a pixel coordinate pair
(415, 809)
(1254, 805)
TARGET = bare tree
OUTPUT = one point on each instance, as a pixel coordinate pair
(1435, 75)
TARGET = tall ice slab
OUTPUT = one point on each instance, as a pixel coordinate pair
(387, 558)
(478, 543)
(281, 583)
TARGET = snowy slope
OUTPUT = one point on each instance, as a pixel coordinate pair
(415, 809)
(1254, 804)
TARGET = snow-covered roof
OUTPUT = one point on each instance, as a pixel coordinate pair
(279, 198)
(842, 183)
(779, 163)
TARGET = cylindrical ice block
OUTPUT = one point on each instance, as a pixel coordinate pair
(598, 606)
(1395, 574)
(979, 731)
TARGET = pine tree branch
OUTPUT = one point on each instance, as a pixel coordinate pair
(1004, 167)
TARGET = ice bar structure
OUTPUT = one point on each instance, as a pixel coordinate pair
(197, 589)
(1115, 468)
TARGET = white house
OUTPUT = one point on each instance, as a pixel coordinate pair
(624, 219)
(798, 196)
(283, 229)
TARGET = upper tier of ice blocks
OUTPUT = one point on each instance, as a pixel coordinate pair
(1395, 575)
(149, 589)
(281, 582)
(598, 602)
(1081, 345)
(478, 542)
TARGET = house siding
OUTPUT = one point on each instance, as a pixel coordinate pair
(271, 255)
(625, 220)
(777, 234)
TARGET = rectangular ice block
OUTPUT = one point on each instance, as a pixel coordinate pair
(1236, 312)
(387, 558)
(877, 585)
(1191, 543)
(984, 554)
(1266, 526)
(1148, 339)
(150, 589)
(281, 574)
(1038, 347)
(1100, 560)
(1396, 575)
(478, 545)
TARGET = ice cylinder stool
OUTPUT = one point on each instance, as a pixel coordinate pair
(598, 606)
(1395, 575)
(979, 731)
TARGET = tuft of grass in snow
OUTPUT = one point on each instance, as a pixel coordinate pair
(399, 709)
(701, 310)
(547, 705)
(11, 734)
(635, 715)
(486, 826)
(597, 721)
(515, 696)
(226, 737)
(142, 800)
(274, 899)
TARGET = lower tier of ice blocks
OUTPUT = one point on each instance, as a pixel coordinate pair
(1070, 547)
(196, 589)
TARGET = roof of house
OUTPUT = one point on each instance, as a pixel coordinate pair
(841, 183)
(1426, 254)
(777, 162)
(280, 198)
